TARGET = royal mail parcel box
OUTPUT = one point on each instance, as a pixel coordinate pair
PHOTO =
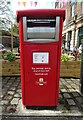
(40, 33)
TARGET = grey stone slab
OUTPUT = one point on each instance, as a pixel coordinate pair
(74, 86)
(6, 89)
(78, 88)
(60, 96)
(66, 95)
(15, 101)
(70, 82)
(0, 90)
(3, 108)
(1, 96)
(14, 85)
(7, 77)
(63, 90)
(13, 78)
(11, 92)
(61, 87)
(71, 102)
(72, 90)
(4, 102)
(82, 106)
(75, 94)
(19, 90)
(11, 109)
(12, 88)
(17, 95)
(7, 97)
(62, 79)
(4, 92)
(73, 79)
(9, 83)
(74, 109)
(69, 86)
(0, 112)
(7, 86)
(79, 99)
(61, 107)
(19, 87)
(4, 82)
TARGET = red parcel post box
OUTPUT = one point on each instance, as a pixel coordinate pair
(40, 48)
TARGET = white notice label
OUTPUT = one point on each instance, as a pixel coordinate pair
(41, 57)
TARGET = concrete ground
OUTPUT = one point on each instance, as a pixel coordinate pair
(70, 102)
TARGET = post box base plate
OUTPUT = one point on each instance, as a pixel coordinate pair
(41, 107)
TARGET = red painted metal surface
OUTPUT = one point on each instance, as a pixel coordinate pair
(40, 82)
(41, 13)
(41, 93)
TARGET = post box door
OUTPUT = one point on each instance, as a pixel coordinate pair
(41, 75)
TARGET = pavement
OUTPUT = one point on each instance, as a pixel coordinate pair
(70, 102)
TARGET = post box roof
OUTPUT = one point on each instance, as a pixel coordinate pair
(40, 13)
